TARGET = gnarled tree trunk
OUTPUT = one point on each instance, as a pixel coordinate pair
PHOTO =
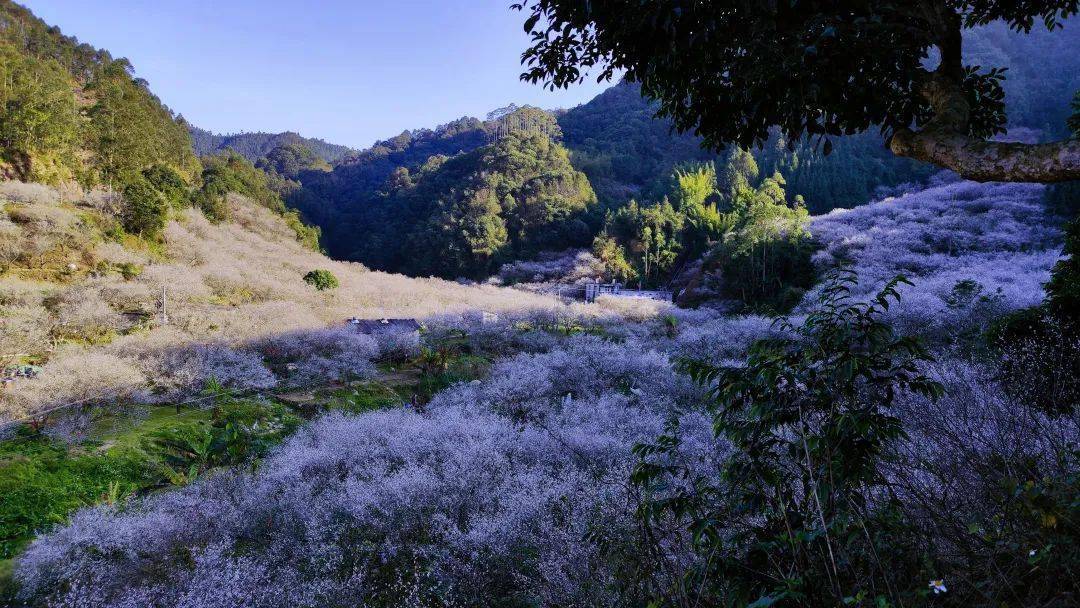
(944, 141)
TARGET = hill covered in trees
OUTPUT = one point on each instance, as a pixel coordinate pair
(254, 146)
(453, 201)
(72, 112)
(628, 155)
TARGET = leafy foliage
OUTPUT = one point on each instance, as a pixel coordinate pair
(288, 160)
(170, 184)
(757, 249)
(38, 121)
(126, 129)
(1063, 289)
(1040, 358)
(321, 279)
(236, 433)
(807, 417)
(43, 480)
(145, 208)
(730, 74)
(461, 216)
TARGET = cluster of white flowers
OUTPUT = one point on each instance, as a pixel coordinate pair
(493, 491)
(571, 266)
(515, 486)
(998, 236)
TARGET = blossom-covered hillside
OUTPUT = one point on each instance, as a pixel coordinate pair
(517, 486)
(85, 303)
(999, 236)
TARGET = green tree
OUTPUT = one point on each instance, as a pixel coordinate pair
(650, 237)
(740, 171)
(795, 518)
(464, 236)
(145, 209)
(764, 259)
(288, 160)
(731, 72)
(696, 195)
(321, 279)
(38, 120)
(613, 255)
(1063, 290)
(131, 130)
(169, 183)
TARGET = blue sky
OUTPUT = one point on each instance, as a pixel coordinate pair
(348, 71)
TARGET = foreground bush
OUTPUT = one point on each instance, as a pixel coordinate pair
(864, 474)
(808, 417)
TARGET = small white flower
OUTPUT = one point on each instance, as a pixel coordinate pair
(1031, 553)
(938, 586)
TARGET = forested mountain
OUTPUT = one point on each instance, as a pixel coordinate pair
(630, 155)
(254, 146)
(69, 111)
(449, 203)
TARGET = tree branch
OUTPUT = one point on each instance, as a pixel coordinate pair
(944, 141)
(985, 161)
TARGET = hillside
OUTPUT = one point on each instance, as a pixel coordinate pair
(629, 154)
(497, 482)
(84, 300)
(455, 201)
(254, 146)
(69, 111)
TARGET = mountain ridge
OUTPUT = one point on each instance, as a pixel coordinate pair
(254, 145)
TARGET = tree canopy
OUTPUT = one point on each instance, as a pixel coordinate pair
(71, 111)
(732, 70)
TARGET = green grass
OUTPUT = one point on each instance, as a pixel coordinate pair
(365, 397)
(43, 481)
(460, 367)
(7, 582)
(123, 432)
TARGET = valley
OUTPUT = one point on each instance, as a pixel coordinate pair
(552, 357)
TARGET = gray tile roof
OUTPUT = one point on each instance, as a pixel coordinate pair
(367, 326)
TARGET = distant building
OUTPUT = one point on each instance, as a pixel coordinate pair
(393, 334)
(372, 326)
(594, 290)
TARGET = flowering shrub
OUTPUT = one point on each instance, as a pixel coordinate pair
(571, 266)
(808, 417)
(999, 236)
(333, 354)
(20, 192)
(474, 504)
